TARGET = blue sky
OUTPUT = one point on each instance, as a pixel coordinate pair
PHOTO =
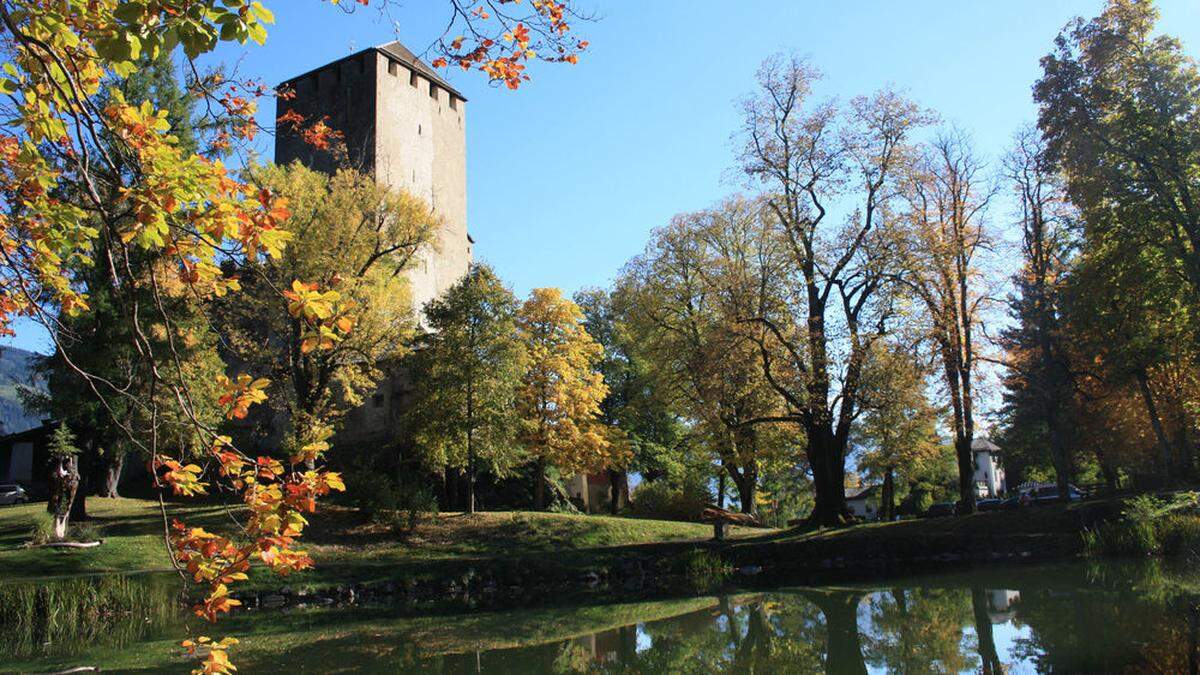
(568, 175)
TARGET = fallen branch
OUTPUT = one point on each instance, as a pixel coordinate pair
(66, 544)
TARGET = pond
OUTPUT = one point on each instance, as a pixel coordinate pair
(1070, 618)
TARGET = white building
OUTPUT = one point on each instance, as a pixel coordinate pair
(989, 475)
(863, 502)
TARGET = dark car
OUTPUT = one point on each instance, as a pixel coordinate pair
(940, 509)
(995, 504)
(11, 493)
(1049, 495)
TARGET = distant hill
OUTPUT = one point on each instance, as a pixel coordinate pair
(16, 370)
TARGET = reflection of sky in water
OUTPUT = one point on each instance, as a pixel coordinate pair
(644, 641)
(1006, 634)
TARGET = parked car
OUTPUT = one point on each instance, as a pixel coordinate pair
(940, 509)
(1048, 495)
(11, 493)
(990, 504)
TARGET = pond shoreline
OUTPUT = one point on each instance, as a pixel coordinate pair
(853, 555)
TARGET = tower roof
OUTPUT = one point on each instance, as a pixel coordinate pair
(400, 53)
(984, 444)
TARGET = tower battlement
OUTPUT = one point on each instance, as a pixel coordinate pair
(405, 126)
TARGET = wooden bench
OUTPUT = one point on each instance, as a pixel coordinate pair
(722, 517)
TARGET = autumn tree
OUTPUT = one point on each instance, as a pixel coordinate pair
(1130, 316)
(559, 397)
(352, 241)
(686, 296)
(814, 162)
(465, 375)
(897, 433)
(1120, 110)
(946, 238)
(57, 177)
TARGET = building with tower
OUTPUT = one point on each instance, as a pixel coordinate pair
(405, 126)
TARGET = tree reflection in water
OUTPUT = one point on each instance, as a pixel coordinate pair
(1065, 619)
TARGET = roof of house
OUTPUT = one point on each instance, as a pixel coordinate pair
(984, 444)
(400, 53)
(43, 429)
(861, 492)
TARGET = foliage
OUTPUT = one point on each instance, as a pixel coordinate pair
(683, 302)
(560, 393)
(703, 569)
(1148, 526)
(62, 443)
(1119, 109)
(662, 500)
(898, 432)
(466, 375)
(636, 405)
(400, 505)
(347, 311)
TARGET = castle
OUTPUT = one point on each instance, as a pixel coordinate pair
(405, 126)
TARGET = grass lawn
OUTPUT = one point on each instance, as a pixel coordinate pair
(344, 545)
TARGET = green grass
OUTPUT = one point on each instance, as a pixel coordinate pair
(344, 545)
(132, 530)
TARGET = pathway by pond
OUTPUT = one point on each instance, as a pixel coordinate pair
(1109, 618)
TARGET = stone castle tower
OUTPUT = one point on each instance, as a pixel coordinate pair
(405, 126)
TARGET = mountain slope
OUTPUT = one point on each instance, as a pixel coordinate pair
(16, 371)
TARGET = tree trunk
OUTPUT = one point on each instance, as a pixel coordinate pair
(112, 474)
(1058, 451)
(1164, 445)
(983, 633)
(746, 483)
(966, 475)
(470, 475)
(64, 485)
(721, 476)
(616, 482)
(470, 445)
(843, 648)
(829, 480)
(887, 500)
(539, 484)
(453, 484)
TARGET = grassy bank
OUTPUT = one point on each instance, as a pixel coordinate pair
(520, 549)
(346, 546)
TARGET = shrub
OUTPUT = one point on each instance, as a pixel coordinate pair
(703, 569)
(1149, 526)
(396, 504)
(1179, 534)
(1121, 538)
(660, 500)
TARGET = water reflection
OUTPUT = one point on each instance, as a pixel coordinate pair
(1068, 619)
